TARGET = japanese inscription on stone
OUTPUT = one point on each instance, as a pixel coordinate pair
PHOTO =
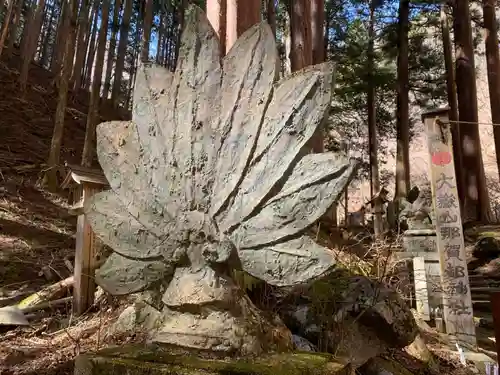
(450, 241)
(420, 244)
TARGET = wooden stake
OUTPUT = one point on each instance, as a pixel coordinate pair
(458, 313)
(85, 258)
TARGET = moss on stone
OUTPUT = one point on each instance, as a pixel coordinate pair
(135, 360)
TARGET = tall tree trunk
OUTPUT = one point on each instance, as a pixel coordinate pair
(112, 48)
(146, 35)
(87, 76)
(327, 36)
(168, 40)
(372, 126)
(55, 147)
(60, 38)
(2, 6)
(13, 28)
(180, 20)
(452, 98)
(171, 41)
(493, 66)
(93, 115)
(317, 34)
(402, 106)
(82, 42)
(240, 16)
(475, 199)
(271, 15)
(318, 56)
(43, 55)
(28, 25)
(287, 43)
(31, 43)
(300, 27)
(6, 24)
(133, 67)
(122, 49)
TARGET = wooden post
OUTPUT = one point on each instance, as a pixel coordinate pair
(85, 259)
(87, 182)
(458, 313)
(420, 281)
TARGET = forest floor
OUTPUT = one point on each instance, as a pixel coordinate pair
(37, 235)
(36, 230)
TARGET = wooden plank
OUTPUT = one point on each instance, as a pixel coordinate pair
(458, 313)
(421, 294)
(85, 261)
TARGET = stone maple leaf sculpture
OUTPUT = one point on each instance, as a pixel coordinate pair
(213, 174)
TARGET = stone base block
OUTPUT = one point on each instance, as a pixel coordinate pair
(140, 360)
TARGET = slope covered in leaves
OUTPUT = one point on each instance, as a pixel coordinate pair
(27, 119)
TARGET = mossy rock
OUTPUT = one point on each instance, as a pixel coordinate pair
(151, 360)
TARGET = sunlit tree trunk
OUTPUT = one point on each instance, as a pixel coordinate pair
(318, 57)
(93, 114)
(55, 147)
(301, 35)
(317, 27)
(92, 46)
(452, 98)
(81, 43)
(372, 126)
(493, 66)
(216, 13)
(240, 16)
(287, 43)
(120, 55)
(112, 48)
(475, 200)
(402, 106)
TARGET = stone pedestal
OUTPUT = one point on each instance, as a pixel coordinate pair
(137, 360)
(422, 243)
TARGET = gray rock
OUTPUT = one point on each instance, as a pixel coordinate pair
(303, 344)
(213, 175)
(140, 317)
(375, 316)
(120, 275)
